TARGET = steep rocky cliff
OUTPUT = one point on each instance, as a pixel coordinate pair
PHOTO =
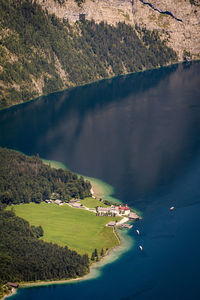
(43, 49)
(178, 21)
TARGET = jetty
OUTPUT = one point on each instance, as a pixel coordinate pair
(134, 216)
(121, 224)
(128, 226)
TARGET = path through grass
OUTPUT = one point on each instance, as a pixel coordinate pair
(79, 229)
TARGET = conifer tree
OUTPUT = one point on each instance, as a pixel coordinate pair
(93, 256)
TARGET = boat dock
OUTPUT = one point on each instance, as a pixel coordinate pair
(125, 226)
(134, 216)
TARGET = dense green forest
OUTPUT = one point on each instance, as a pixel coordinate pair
(23, 257)
(40, 53)
(26, 179)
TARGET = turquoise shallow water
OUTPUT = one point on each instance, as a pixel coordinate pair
(141, 134)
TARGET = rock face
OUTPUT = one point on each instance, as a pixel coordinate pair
(110, 11)
(183, 25)
(177, 21)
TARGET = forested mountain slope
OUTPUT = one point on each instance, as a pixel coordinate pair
(178, 19)
(41, 53)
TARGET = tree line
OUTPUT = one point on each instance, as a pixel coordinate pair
(23, 256)
(26, 179)
(85, 50)
(95, 254)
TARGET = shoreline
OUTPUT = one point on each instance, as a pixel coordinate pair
(95, 268)
(13, 292)
(99, 189)
(96, 81)
(125, 243)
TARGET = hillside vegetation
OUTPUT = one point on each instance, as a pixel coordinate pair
(23, 257)
(195, 2)
(40, 53)
(46, 249)
(26, 179)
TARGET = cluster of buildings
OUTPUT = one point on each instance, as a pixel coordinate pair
(116, 211)
(54, 199)
(74, 203)
(112, 210)
(57, 201)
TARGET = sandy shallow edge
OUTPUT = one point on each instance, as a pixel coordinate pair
(13, 292)
(95, 269)
(99, 188)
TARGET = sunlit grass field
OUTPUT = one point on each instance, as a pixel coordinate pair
(79, 229)
(92, 203)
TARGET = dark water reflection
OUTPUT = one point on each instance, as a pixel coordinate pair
(140, 133)
(140, 126)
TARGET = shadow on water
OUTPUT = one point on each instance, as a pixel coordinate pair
(145, 121)
(143, 290)
(141, 134)
(81, 101)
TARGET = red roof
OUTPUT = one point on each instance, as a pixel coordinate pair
(124, 208)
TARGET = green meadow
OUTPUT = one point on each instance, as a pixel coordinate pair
(92, 203)
(79, 229)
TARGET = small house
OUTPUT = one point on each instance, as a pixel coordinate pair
(103, 210)
(108, 210)
(75, 200)
(48, 201)
(77, 205)
(14, 285)
(111, 224)
(58, 202)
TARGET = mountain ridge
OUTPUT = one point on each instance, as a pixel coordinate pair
(178, 20)
(51, 45)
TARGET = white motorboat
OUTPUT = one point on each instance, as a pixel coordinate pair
(172, 208)
(141, 248)
(138, 232)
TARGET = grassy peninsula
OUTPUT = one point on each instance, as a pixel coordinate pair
(80, 229)
(42, 241)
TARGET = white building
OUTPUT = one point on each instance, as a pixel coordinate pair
(58, 202)
(124, 210)
(77, 205)
(108, 210)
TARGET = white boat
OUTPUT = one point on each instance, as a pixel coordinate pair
(138, 232)
(172, 208)
(140, 248)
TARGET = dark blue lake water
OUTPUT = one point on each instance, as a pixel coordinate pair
(141, 134)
